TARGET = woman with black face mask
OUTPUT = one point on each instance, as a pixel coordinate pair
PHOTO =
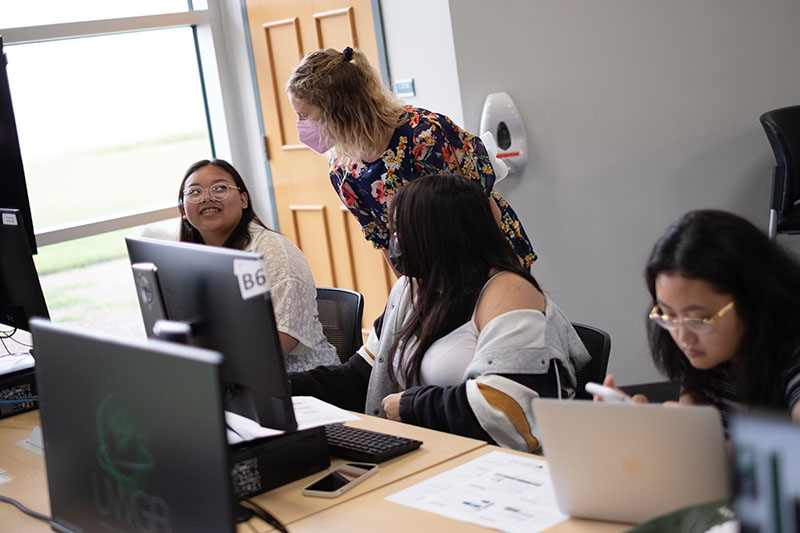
(467, 338)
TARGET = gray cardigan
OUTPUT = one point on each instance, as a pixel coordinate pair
(518, 342)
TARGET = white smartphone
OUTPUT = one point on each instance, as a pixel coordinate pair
(606, 393)
(340, 480)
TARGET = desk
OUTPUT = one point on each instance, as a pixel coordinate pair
(288, 504)
(372, 512)
(29, 486)
(28, 483)
(361, 509)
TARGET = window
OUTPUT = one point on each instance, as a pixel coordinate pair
(14, 13)
(107, 124)
(110, 112)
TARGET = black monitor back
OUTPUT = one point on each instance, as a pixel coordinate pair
(134, 433)
(20, 292)
(200, 287)
(12, 173)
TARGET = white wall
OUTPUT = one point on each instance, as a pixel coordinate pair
(419, 45)
(636, 110)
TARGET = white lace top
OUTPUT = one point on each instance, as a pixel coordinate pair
(294, 297)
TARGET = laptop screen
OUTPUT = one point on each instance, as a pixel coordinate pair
(133, 433)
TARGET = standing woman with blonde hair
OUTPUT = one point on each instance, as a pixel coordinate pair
(376, 144)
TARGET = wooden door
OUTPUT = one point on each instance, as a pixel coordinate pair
(309, 210)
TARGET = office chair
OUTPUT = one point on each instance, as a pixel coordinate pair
(782, 127)
(598, 344)
(340, 312)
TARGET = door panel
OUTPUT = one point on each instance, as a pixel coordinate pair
(313, 237)
(309, 210)
(336, 29)
(284, 51)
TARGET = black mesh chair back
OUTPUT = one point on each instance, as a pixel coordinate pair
(782, 127)
(598, 344)
(340, 312)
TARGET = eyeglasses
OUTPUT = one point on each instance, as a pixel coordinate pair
(218, 192)
(696, 325)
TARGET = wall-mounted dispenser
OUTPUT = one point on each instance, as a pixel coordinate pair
(501, 117)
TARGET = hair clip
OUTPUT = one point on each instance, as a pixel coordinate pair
(348, 54)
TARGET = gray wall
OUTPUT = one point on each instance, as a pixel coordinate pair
(637, 111)
(424, 52)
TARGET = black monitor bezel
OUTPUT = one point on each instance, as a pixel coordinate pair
(192, 278)
(21, 296)
(12, 171)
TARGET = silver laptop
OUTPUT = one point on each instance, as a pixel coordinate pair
(631, 463)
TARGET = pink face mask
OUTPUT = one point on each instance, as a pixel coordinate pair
(312, 134)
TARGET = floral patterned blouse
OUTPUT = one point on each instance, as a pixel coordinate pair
(425, 143)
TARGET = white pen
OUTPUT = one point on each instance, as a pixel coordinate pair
(607, 393)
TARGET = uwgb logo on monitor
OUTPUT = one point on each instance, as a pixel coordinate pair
(126, 464)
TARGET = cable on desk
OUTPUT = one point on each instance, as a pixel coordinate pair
(264, 515)
(9, 335)
(3, 341)
(34, 514)
(21, 400)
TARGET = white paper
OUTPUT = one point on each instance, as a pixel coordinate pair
(34, 443)
(14, 362)
(498, 490)
(309, 412)
(241, 428)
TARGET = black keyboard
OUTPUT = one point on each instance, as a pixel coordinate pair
(366, 446)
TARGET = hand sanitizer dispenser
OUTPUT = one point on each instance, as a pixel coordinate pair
(501, 117)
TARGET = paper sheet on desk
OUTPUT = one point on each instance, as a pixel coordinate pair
(309, 412)
(498, 490)
(14, 362)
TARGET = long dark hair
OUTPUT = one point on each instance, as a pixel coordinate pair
(240, 236)
(735, 258)
(449, 241)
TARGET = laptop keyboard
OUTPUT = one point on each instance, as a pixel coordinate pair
(366, 446)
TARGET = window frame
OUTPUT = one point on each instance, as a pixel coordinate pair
(232, 109)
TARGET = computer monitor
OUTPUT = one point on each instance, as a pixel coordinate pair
(134, 433)
(12, 173)
(766, 457)
(20, 292)
(221, 296)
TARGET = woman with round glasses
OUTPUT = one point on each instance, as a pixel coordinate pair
(725, 323)
(216, 210)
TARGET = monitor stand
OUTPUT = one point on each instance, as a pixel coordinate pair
(258, 405)
(262, 464)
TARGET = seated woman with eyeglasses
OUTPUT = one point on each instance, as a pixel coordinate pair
(216, 210)
(467, 338)
(725, 322)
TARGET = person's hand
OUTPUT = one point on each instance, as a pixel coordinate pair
(391, 406)
(609, 382)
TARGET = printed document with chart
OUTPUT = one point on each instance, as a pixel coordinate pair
(498, 490)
